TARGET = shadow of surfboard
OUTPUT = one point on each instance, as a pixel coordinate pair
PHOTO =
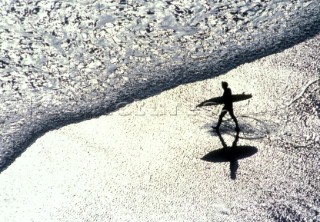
(230, 154)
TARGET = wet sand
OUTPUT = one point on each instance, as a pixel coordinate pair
(143, 162)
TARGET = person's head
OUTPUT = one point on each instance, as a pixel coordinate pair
(224, 85)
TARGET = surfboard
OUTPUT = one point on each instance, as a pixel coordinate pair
(230, 153)
(219, 100)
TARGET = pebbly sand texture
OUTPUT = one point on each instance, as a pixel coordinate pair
(143, 162)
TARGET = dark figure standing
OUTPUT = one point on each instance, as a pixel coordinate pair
(228, 106)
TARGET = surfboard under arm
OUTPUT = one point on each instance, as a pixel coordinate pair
(219, 100)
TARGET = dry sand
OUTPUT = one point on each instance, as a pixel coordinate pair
(143, 162)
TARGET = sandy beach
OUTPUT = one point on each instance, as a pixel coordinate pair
(143, 162)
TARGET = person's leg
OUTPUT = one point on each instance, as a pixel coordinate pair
(234, 119)
(222, 114)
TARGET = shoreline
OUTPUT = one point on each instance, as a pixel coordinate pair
(16, 142)
(147, 168)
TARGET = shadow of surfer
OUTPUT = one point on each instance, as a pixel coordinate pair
(228, 106)
(230, 154)
(232, 158)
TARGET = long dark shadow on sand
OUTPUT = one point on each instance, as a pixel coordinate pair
(230, 154)
(177, 76)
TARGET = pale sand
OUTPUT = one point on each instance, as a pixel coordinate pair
(143, 163)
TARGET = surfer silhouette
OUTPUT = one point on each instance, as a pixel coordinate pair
(228, 106)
